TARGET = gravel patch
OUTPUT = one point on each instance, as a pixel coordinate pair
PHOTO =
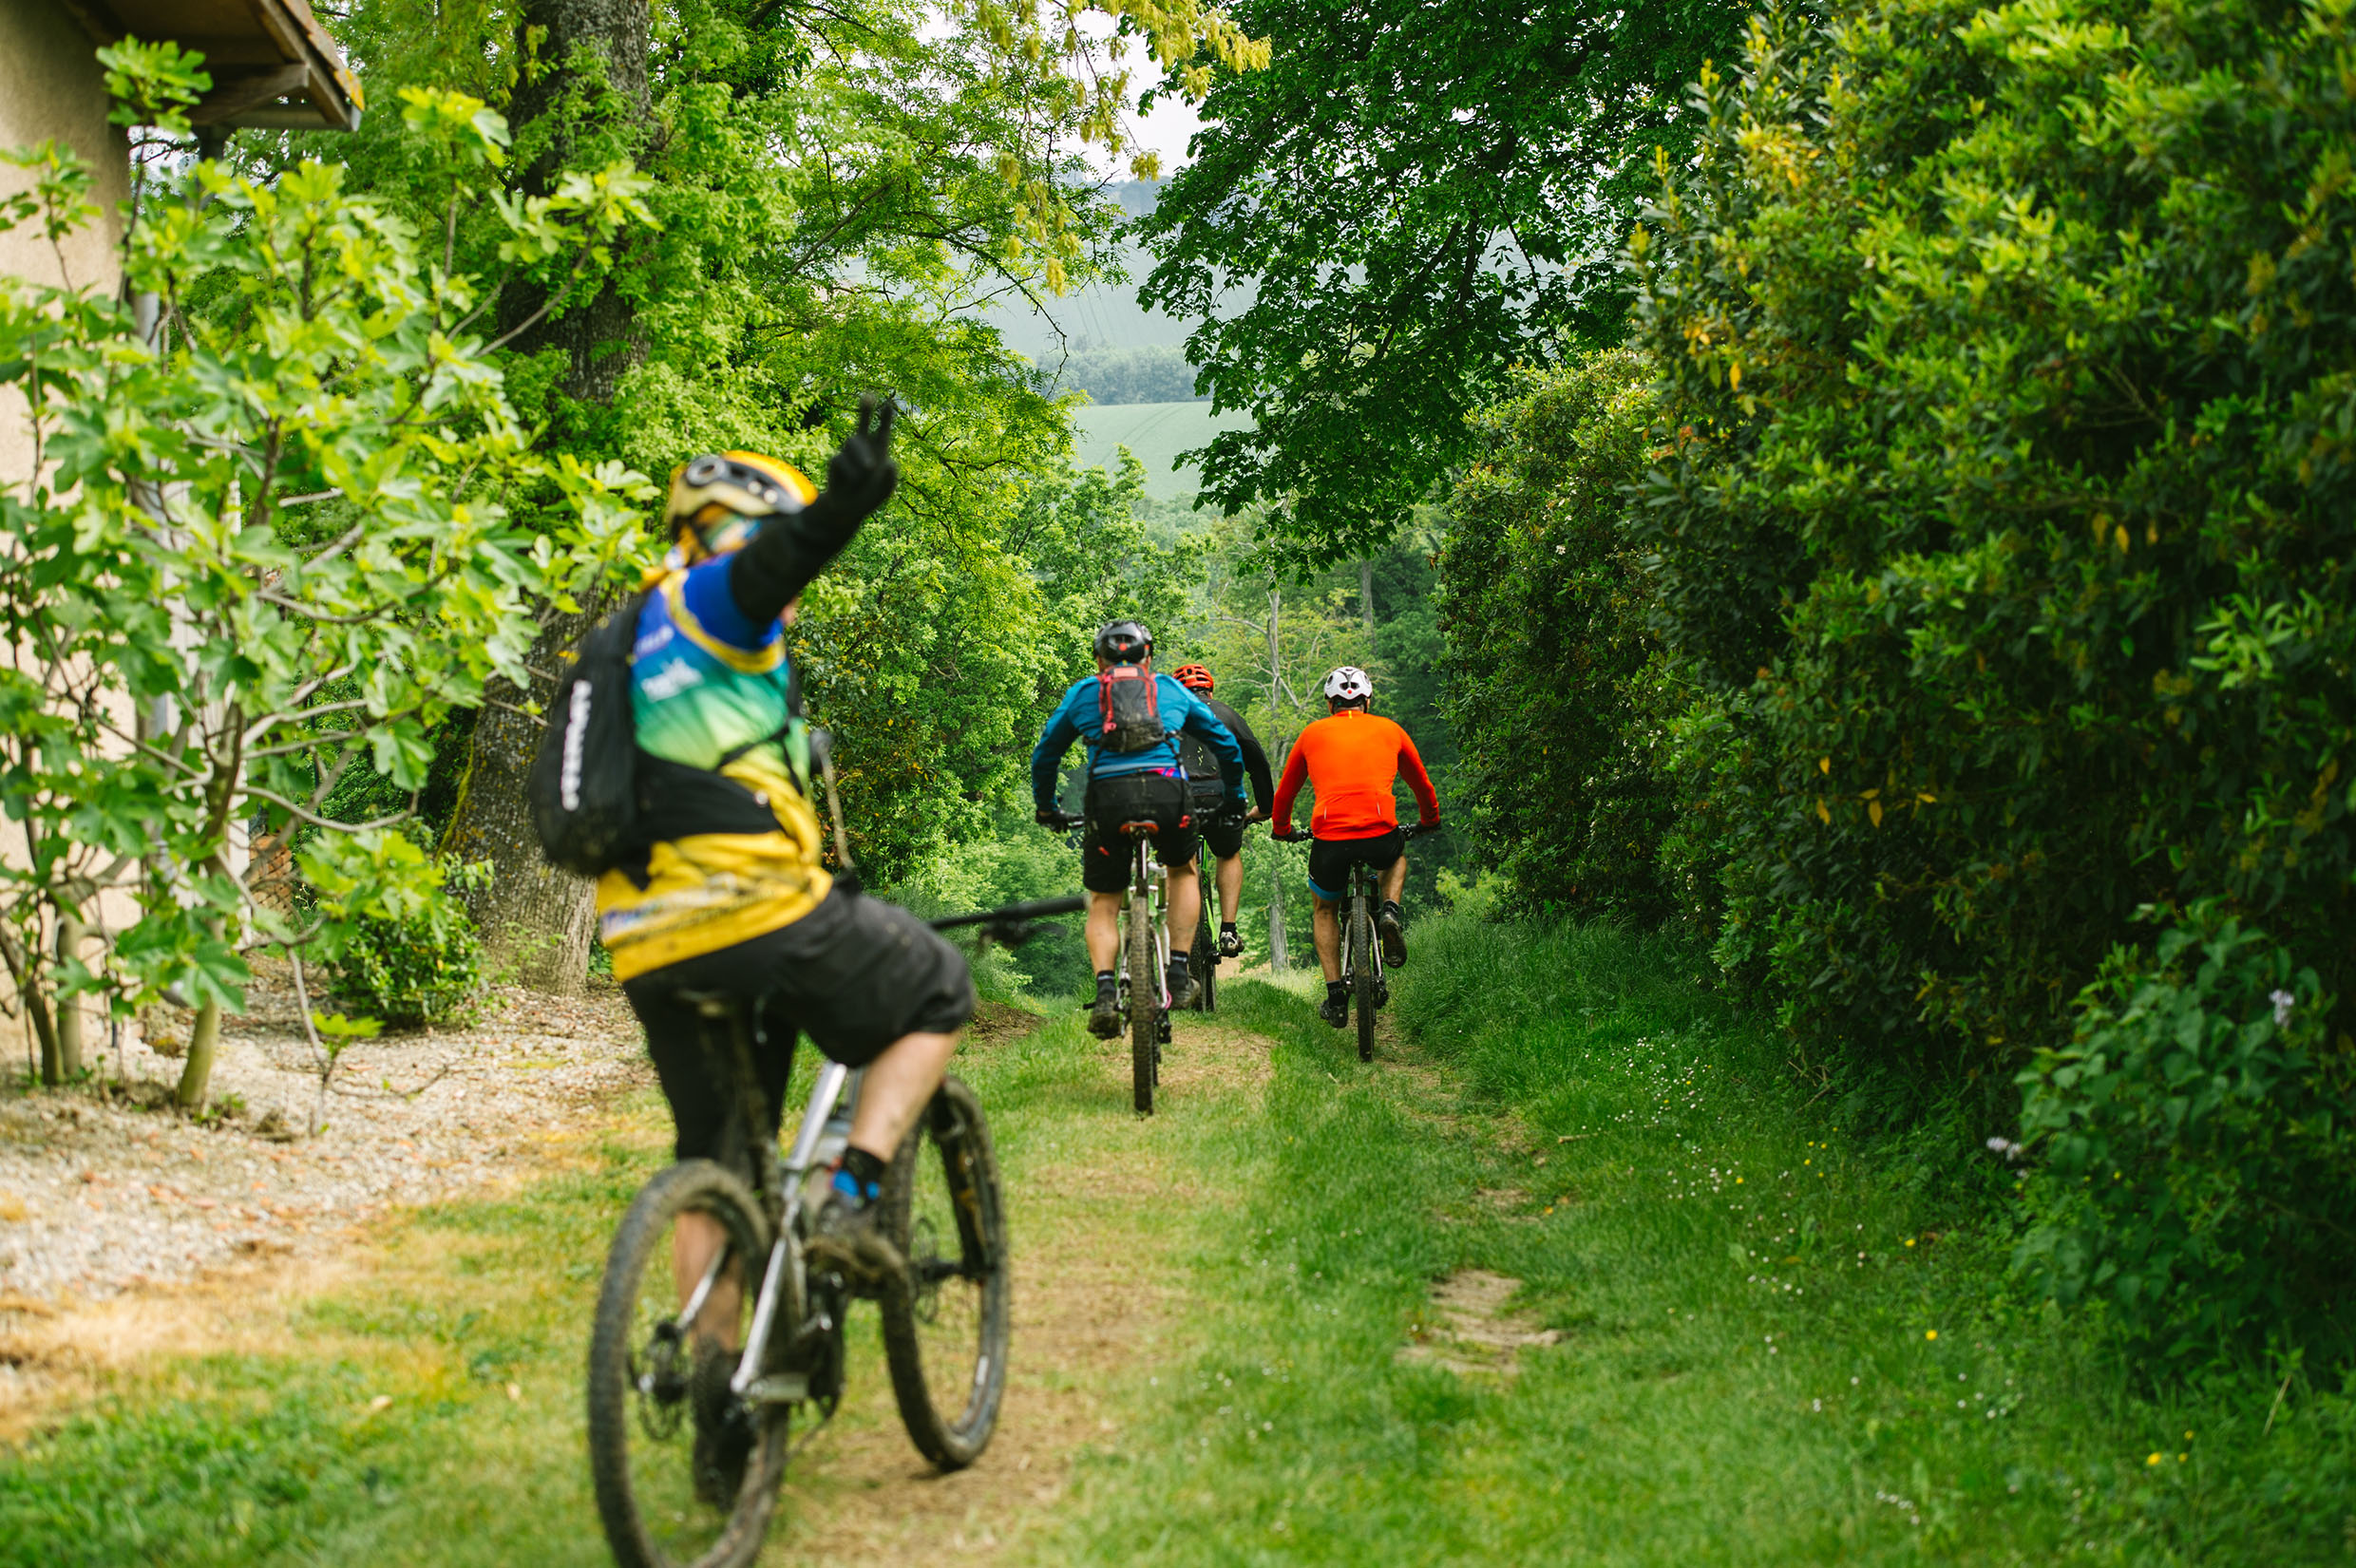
(103, 1191)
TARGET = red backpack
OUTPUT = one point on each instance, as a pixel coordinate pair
(1129, 708)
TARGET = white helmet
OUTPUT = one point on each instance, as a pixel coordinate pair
(1348, 684)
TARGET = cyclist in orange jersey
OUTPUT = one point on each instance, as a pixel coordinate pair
(1350, 757)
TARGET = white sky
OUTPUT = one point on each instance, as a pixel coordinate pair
(1166, 130)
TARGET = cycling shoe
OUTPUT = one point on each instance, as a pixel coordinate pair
(852, 1240)
(1231, 945)
(1336, 1011)
(1392, 931)
(1103, 1019)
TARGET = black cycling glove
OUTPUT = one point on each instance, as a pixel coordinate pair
(792, 549)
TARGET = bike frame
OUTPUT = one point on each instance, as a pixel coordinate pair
(1147, 876)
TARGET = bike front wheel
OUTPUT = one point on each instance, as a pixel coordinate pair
(946, 1333)
(656, 1377)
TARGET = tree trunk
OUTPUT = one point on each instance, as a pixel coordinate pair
(196, 1074)
(598, 335)
(68, 1024)
(1367, 600)
(534, 917)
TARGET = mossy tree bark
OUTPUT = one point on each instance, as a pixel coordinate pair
(533, 916)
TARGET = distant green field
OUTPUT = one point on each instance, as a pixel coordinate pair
(1157, 432)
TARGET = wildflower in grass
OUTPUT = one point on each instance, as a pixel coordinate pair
(2154, 1459)
(2282, 1000)
(1930, 1334)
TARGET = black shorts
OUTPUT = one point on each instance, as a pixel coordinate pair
(1224, 834)
(1330, 860)
(1133, 798)
(854, 975)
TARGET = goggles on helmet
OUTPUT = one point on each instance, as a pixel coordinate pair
(724, 496)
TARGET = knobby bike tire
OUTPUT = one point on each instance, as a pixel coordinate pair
(1363, 975)
(953, 1133)
(1144, 1002)
(639, 1244)
(1203, 963)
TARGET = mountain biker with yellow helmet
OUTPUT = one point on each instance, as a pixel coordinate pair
(730, 896)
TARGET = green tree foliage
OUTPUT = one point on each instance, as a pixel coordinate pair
(1153, 373)
(834, 194)
(266, 540)
(1416, 198)
(1558, 691)
(2006, 515)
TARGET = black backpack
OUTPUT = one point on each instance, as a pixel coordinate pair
(583, 784)
(1130, 708)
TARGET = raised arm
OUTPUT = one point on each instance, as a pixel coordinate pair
(794, 547)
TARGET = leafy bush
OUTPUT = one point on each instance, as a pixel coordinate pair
(410, 955)
(1557, 692)
(2011, 486)
(2199, 1160)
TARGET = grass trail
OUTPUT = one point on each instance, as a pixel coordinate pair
(1778, 1346)
(1777, 1343)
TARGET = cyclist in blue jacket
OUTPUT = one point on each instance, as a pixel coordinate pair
(1134, 775)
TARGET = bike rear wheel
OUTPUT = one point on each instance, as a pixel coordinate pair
(945, 1334)
(1363, 975)
(642, 1406)
(1203, 961)
(1145, 1006)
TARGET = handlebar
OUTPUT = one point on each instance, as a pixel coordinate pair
(1292, 834)
(1014, 924)
(1038, 909)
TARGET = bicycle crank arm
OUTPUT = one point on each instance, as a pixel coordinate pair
(778, 1389)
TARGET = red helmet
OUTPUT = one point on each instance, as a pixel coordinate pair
(1194, 678)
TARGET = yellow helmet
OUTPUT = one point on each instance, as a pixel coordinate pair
(718, 500)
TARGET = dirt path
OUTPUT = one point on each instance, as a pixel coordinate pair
(1104, 1205)
(1098, 1283)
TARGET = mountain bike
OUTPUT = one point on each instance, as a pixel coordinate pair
(1144, 998)
(1361, 954)
(1204, 960)
(776, 1320)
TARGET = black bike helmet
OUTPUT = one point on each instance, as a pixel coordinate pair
(1124, 642)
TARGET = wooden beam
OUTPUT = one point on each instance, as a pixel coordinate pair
(234, 95)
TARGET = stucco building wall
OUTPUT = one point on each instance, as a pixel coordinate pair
(53, 87)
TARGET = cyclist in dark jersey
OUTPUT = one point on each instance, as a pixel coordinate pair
(1223, 832)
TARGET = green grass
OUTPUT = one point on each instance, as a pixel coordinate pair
(1749, 1373)
(288, 1458)
(1736, 1383)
